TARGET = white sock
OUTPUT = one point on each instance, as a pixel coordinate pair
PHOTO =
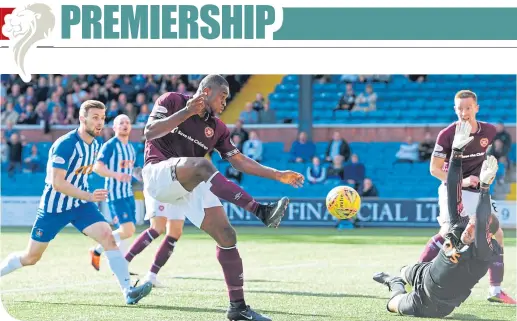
(10, 263)
(151, 275)
(119, 266)
(123, 246)
(116, 235)
(495, 290)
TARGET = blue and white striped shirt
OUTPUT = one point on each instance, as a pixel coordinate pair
(120, 158)
(74, 155)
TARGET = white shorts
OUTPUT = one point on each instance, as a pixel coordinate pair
(154, 208)
(469, 199)
(161, 184)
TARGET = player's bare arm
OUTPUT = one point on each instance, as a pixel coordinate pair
(157, 127)
(103, 170)
(60, 184)
(247, 165)
(436, 168)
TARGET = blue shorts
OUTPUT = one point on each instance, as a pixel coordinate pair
(48, 225)
(123, 211)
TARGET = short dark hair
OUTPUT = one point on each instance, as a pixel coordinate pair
(494, 224)
(213, 81)
(466, 94)
(89, 104)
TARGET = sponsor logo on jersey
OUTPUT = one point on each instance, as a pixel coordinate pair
(58, 160)
(161, 109)
(438, 148)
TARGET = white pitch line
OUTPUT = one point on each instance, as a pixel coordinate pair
(64, 286)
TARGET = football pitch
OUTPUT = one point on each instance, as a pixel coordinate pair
(289, 273)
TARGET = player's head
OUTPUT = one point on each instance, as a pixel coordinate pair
(468, 235)
(217, 90)
(122, 125)
(466, 105)
(92, 115)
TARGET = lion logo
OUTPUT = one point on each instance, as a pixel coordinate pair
(25, 26)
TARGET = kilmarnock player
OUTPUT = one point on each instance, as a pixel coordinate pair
(466, 108)
(115, 162)
(445, 283)
(180, 131)
(164, 217)
(66, 200)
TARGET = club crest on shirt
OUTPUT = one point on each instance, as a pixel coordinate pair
(209, 132)
(161, 208)
(483, 142)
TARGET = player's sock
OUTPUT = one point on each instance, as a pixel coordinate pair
(496, 274)
(163, 253)
(119, 266)
(144, 239)
(116, 235)
(231, 263)
(397, 287)
(432, 248)
(123, 246)
(231, 192)
(11, 263)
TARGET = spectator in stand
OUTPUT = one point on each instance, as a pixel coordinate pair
(408, 152)
(426, 147)
(504, 137)
(258, 104)
(78, 95)
(237, 142)
(112, 112)
(336, 171)
(349, 78)
(302, 150)
(15, 154)
(56, 117)
(70, 118)
(14, 94)
(248, 115)
(417, 78)
(354, 172)
(267, 115)
(316, 173)
(347, 101)
(143, 116)
(9, 115)
(337, 146)
(366, 101)
(253, 147)
(33, 161)
(233, 175)
(29, 116)
(130, 111)
(41, 111)
(368, 189)
(497, 150)
(239, 130)
(4, 149)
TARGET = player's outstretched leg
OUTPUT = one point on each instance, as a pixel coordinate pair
(216, 224)
(121, 234)
(164, 251)
(396, 285)
(496, 274)
(30, 256)
(101, 232)
(190, 172)
(146, 237)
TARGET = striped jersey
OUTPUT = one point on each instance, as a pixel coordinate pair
(120, 158)
(77, 157)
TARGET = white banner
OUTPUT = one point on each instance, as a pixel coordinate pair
(22, 210)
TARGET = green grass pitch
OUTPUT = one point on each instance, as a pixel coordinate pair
(290, 274)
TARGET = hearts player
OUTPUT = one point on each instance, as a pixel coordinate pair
(466, 107)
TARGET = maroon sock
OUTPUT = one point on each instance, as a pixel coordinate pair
(432, 248)
(163, 253)
(232, 193)
(144, 239)
(231, 263)
(496, 271)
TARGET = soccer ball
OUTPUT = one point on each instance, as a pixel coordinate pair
(343, 202)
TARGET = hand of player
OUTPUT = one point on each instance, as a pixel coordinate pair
(197, 105)
(488, 170)
(291, 178)
(122, 177)
(470, 181)
(137, 173)
(98, 195)
(462, 135)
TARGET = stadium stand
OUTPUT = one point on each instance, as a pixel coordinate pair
(400, 101)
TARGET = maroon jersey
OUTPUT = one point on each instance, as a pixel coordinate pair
(475, 152)
(195, 137)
